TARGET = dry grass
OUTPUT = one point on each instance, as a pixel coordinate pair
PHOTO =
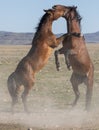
(49, 98)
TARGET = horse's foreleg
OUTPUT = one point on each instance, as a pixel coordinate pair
(56, 60)
(61, 38)
(75, 84)
(66, 54)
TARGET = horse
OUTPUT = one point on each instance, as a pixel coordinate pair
(43, 44)
(76, 54)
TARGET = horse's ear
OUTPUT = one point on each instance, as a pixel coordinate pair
(47, 11)
(75, 7)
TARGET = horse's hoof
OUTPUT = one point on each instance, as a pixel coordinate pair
(87, 109)
(27, 111)
(29, 129)
(69, 68)
(58, 69)
(12, 112)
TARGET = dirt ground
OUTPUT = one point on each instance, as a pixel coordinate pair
(56, 120)
(49, 100)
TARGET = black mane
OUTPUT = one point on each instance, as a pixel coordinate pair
(38, 28)
(77, 16)
(42, 21)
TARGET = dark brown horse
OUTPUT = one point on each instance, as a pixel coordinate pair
(75, 51)
(43, 44)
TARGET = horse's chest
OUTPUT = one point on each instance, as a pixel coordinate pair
(44, 57)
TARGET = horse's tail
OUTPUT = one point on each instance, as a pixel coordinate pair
(11, 84)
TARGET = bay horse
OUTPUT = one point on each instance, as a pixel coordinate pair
(43, 44)
(76, 55)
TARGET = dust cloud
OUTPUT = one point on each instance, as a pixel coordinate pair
(53, 118)
(48, 115)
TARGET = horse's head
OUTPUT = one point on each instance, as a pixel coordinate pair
(62, 10)
(73, 14)
(69, 12)
(56, 13)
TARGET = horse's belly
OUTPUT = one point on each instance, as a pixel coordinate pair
(79, 67)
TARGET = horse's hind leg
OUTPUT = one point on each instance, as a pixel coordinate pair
(89, 84)
(13, 90)
(15, 97)
(75, 83)
(88, 96)
(24, 98)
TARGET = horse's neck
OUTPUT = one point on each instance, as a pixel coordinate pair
(46, 27)
(68, 27)
(74, 26)
(41, 34)
(43, 31)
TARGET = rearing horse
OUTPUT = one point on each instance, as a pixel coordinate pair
(43, 44)
(75, 51)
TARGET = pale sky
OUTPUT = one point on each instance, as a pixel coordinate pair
(24, 15)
